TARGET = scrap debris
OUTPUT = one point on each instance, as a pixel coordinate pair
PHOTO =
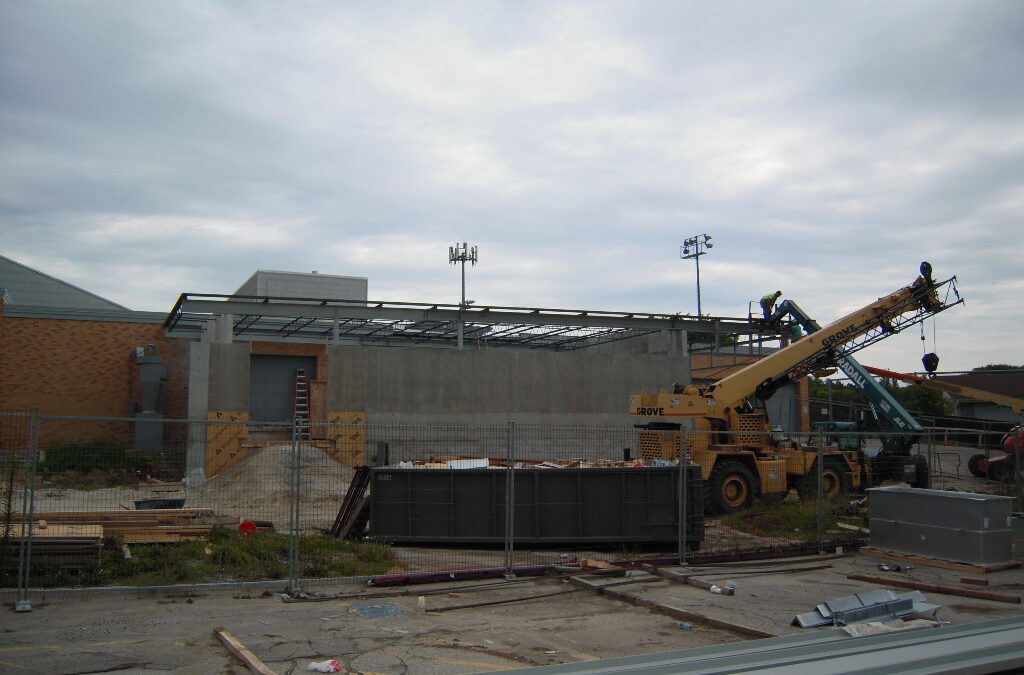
(878, 605)
(475, 462)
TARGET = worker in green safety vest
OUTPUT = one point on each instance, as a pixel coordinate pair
(768, 303)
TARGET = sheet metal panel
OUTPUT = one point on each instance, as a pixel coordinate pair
(945, 543)
(956, 526)
(941, 508)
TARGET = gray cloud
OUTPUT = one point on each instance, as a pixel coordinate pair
(827, 147)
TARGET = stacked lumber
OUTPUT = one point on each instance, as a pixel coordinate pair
(151, 526)
(59, 546)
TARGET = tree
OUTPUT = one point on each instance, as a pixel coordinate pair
(916, 398)
(708, 338)
(996, 366)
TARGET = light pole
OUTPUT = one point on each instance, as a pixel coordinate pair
(695, 247)
(462, 253)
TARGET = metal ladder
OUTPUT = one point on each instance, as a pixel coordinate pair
(301, 408)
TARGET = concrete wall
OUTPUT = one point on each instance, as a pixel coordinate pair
(422, 385)
(229, 376)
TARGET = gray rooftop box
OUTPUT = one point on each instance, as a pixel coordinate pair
(305, 285)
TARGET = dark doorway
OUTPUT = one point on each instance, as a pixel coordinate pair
(272, 385)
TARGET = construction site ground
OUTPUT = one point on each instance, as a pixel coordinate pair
(173, 631)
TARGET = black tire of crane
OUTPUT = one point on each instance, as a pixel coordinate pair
(832, 477)
(922, 476)
(731, 487)
(974, 466)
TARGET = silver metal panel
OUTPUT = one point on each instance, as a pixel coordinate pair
(26, 286)
(958, 545)
(877, 605)
(983, 647)
(941, 508)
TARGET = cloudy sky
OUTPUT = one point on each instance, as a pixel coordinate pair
(151, 148)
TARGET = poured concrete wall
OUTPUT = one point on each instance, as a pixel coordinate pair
(423, 385)
(229, 376)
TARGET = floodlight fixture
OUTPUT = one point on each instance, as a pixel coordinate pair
(462, 253)
(693, 248)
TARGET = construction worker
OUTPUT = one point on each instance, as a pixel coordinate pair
(768, 303)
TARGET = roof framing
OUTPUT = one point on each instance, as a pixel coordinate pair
(383, 322)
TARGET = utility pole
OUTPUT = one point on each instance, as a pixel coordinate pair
(462, 253)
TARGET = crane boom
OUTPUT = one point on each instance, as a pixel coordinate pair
(884, 403)
(1014, 404)
(881, 318)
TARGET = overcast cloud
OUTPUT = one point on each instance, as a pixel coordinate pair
(151, 148)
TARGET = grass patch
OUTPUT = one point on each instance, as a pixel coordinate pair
(225, 556)
(795, 520)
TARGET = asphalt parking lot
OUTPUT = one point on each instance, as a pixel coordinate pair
(172, 632)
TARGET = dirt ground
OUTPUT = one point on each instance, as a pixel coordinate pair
(172, 632)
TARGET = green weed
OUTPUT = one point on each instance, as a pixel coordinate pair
(796, 520)
(224, 556)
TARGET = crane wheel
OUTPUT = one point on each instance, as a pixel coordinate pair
(731, 487)
(974, 466)
(832, 478)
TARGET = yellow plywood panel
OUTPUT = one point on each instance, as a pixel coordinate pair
(224, 441)
(348, 431)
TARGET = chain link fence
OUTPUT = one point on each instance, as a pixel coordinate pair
(231, 501)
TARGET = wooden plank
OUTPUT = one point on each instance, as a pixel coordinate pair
(935, 562)
(974, 580)
(183, 515)
(935, 588)
(675, 612)
(242, 653)
(58, 531)
(355, 499)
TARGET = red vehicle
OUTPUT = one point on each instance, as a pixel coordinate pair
(1001, 468)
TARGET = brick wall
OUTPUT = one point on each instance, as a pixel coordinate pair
(85, 368)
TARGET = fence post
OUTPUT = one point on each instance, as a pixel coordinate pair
(293, 536)
(821, 499)
(28, 504)
(510, 496)
(682, 503)
(1016, 443)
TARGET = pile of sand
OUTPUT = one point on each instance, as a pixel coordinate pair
(259, 487)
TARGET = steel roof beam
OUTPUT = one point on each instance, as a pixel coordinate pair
(194, 304)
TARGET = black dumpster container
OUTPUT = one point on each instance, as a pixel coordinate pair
(553, 506)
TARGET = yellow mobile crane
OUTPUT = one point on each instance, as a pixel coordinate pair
(733, 443)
